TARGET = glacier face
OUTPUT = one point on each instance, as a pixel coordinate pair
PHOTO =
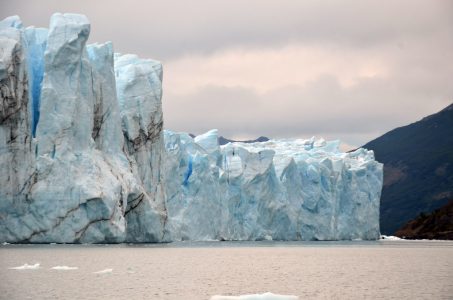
(71, 176)
(280, 189)
(84, 158)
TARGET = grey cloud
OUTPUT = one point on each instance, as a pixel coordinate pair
(166, 29)
(414, 36)
(323, 108)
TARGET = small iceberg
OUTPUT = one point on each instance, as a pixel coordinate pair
(106, 271)
(265, 296)
(64, 268)
(26, 267)
(391, 238)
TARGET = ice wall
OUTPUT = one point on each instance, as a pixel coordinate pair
(67, 173)
(280, 189)
(139, 89)
(17, 153)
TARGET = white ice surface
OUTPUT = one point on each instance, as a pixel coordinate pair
(265, 296)
(26, 267)
(64, 268)
(391, 238)
(105, 271)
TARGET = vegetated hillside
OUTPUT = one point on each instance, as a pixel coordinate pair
(436, 225)
(418, 168)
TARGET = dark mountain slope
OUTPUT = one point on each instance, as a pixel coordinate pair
(418, 168)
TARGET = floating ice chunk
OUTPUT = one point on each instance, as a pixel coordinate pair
(64, 268)
(26, 267)
(106, 271)
(391, 238)
(265, 296)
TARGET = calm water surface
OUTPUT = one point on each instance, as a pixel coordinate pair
(310, 270)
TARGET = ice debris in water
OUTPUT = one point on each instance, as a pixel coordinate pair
(105, 271)
(265, 296)
(26, 267)
(64, 268)
(391, 238)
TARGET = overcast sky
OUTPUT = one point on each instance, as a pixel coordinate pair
(349, 70)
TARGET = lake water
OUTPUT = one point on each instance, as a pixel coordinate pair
(310, 270)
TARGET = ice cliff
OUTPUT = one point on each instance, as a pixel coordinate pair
(84, 158)
(81, 140)
(280, 189)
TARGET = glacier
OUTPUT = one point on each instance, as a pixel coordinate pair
(75, 167)
(275, 190)
(84, 158)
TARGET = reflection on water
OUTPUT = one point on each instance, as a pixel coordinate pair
(199, 270)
